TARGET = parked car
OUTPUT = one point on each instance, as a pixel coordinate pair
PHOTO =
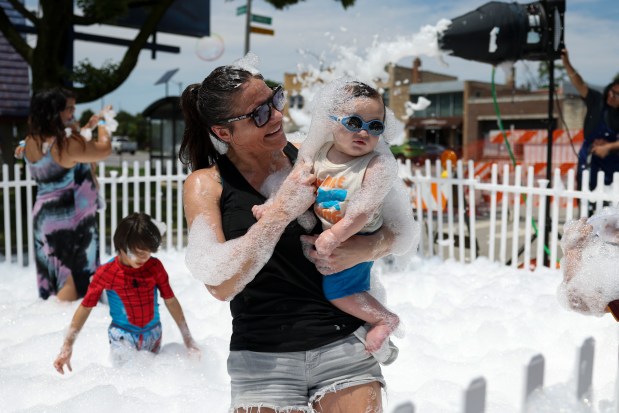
(122, 144)
(418, 152)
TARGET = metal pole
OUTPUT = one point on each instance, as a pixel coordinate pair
(247, 25)
(551, 127)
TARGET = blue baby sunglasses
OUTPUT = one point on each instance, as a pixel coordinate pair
(354, 123)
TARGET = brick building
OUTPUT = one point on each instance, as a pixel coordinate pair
(462, 114)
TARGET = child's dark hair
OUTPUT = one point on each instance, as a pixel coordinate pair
(137, 231)
(356, 89)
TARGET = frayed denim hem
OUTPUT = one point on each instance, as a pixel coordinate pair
(344, 384)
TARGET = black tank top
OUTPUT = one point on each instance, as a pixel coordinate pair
(283, 308)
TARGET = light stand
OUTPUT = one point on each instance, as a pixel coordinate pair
(551, 128)
(506, 32)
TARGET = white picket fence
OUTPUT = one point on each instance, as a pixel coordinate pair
(155, 193)
(474, 396)
(447, 204)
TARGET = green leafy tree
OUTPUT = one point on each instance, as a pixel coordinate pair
(124, 119)
(54, 24)
(134, 127)
(543, 74)
(85, 117)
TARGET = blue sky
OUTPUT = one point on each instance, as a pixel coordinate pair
(313, 25)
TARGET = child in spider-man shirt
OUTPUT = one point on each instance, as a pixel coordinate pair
(131, 282)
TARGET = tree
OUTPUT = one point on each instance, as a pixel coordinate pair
(543, 74)
(54, 26)
(85, 117)
(133, 126)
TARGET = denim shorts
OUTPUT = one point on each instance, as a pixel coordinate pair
(294, 380)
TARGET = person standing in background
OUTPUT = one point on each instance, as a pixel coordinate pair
(66, 236)
(600, 149)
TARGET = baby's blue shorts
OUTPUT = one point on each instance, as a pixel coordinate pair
(351, 281)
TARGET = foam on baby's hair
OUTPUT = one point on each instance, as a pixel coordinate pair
(333, 99)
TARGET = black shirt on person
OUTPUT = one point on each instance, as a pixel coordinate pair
(283, 308)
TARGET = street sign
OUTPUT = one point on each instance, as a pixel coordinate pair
(260, 19)
(241, 10)
(261, 30)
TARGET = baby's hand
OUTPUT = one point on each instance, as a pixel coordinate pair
(259, 210)
(326, 243)
(297, 192)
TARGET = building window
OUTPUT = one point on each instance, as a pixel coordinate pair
(442, 105)
(458, 104)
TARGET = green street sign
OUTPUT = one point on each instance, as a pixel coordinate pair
(261, 19)
(241, 10)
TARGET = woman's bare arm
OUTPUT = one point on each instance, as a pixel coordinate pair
(226, 267)
(78, 150)
(574, 76)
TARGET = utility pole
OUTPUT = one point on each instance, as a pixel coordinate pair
(247, 25)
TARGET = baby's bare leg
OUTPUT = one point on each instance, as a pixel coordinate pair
(368, 309)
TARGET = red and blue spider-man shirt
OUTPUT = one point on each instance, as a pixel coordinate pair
(131, 293)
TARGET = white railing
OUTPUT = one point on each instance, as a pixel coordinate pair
(449, 205)
(505, 221)
(157, 193)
